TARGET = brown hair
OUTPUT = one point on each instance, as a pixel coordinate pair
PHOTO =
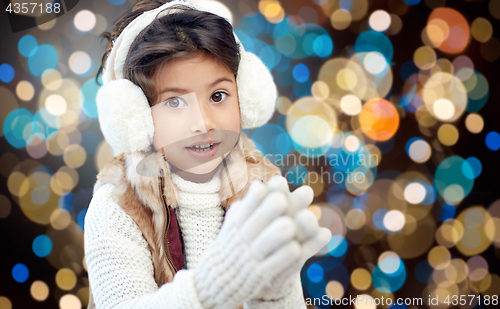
(177, 35)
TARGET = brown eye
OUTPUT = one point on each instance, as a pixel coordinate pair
(219, 96)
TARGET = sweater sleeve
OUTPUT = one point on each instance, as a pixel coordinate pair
(119, 264)
(294, 300)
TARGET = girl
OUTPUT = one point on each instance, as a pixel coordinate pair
(171, 224)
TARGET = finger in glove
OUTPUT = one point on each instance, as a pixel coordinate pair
(280, 232)
(256, 192)
(273, 206)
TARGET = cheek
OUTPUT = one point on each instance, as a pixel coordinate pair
(231, 119)
(166, 128)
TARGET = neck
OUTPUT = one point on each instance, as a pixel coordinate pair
(197, 178)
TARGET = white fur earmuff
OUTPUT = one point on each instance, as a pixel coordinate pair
(123, 109)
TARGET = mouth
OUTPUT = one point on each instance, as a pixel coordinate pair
(203, 146)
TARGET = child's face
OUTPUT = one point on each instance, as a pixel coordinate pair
(197, 106)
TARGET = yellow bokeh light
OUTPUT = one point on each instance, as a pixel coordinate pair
(51, 79)
(474, 240)
(424, 57)
(65, 279)
(18, 184)
(439, 257)
(355, 219)
(283, 104)
(437, 31)
(80, 62)
(56, 104)
(347, 79)
(474, 123)
(103, 154)
(361, 279)
(83, 295)
(443, 109)
(351, 143)
(60, 219)
(340, 19)
(320, 90)
(39, 290)
(84, 20)
(70, 301)
(448, 134)
(379, 20)
(350, 104)
(449, 233)
(74, 156)
(334, 289)
(311, 123)
(394, 220)
(481, 29)
(5, 303)
(272, 10)
(375, 63)
(414, 192)
(358, 9)
(25, 90)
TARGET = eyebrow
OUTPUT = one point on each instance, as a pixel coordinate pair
(174, 89)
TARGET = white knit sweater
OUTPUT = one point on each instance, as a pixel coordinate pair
(199, 214)
(119, 260)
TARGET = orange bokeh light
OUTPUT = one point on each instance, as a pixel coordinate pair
(453, 38)
(379, 119)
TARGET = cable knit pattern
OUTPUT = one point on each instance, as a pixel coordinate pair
(199, 215)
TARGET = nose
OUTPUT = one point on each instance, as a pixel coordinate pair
(205, 121)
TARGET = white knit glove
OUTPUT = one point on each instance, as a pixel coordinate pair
(310, 236)
(255, 243)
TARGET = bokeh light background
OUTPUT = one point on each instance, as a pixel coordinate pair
(390, 105)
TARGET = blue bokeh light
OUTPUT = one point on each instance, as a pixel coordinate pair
(389, 283)
(412, 2)
(337, 246)
(472, 167)
(7, 73)
(89, 91)
(315, 272)
(20, 272)
(27, 45)
(301, 72)
(80, 218)
(42, 245)
(42, 58)
(14, 127)
(370, 40)
(493, 141)
(116, 2)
